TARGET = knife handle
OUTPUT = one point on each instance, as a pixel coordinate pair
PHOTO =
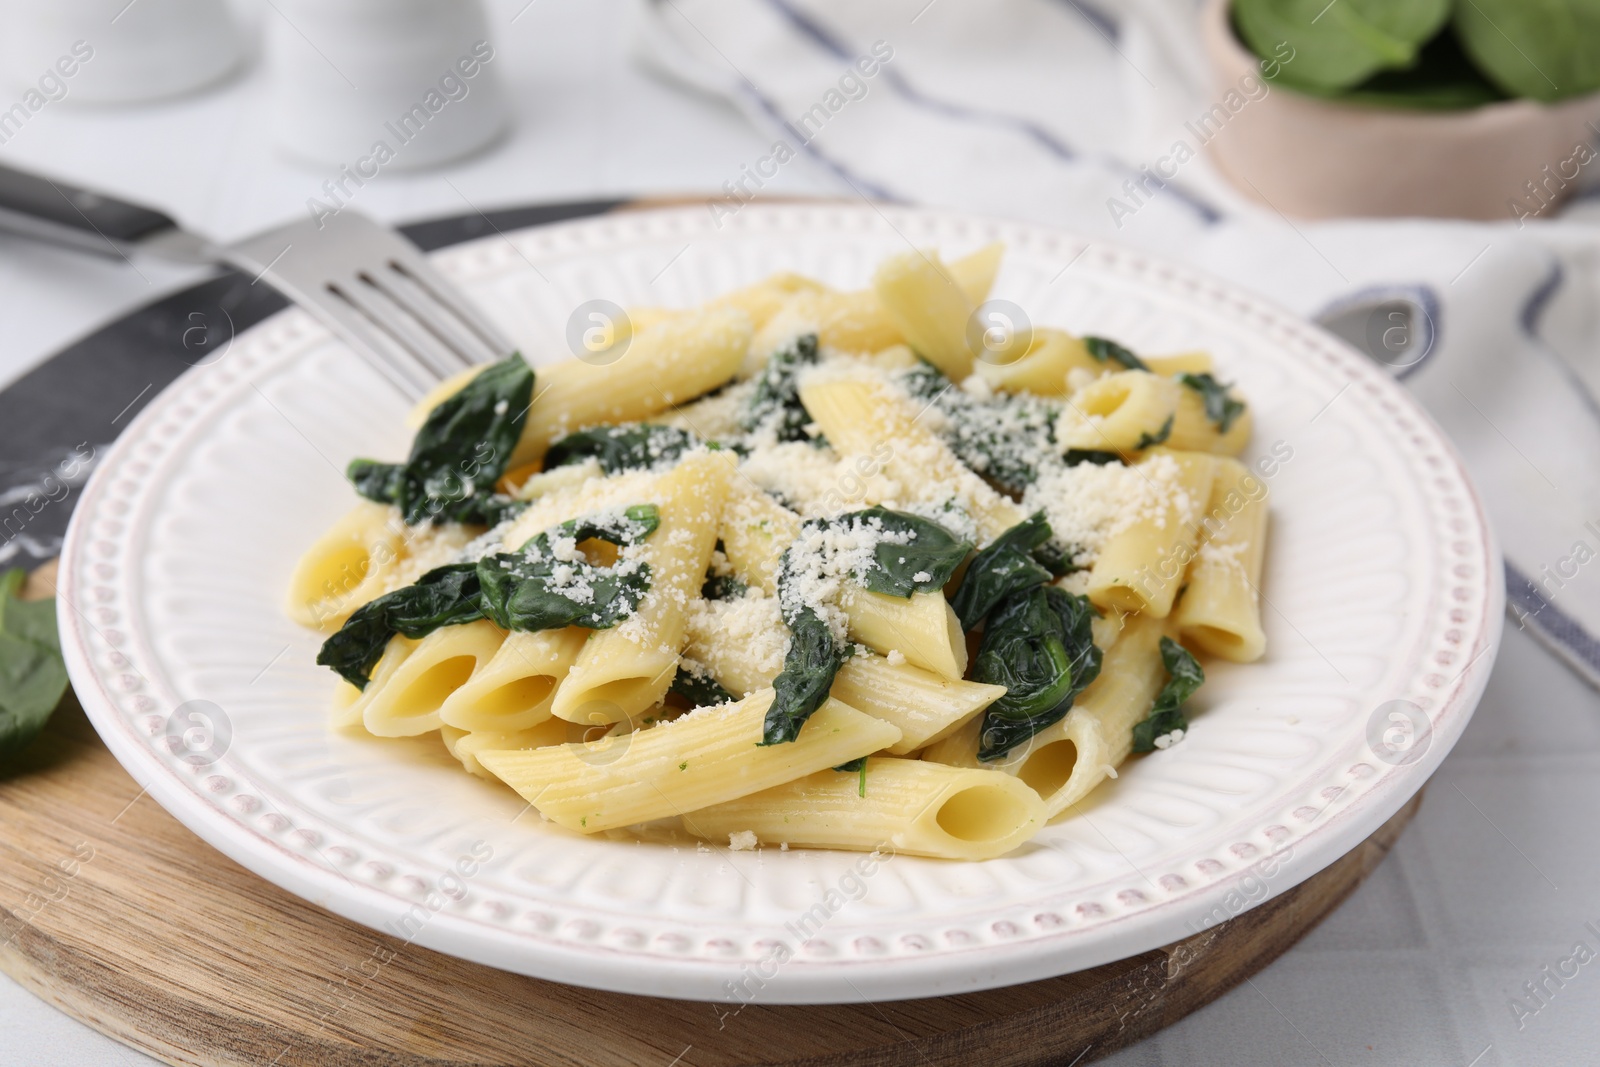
(66, 214)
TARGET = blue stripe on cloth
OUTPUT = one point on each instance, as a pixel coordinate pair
(1103, 23)
(1419, 295)
(1532, 311)
(1564, 634)
(839, 48)
(864, 187)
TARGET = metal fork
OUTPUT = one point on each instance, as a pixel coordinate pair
(362, 280)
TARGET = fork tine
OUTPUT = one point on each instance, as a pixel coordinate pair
(467, 348)
(396, 363)
(375, 290)
(388, 316)
(418, 271)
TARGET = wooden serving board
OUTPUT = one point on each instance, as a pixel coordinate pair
(116, 914)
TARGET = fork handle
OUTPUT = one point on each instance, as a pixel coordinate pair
(70, 215)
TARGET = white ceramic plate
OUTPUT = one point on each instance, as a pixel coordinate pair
(1383, 582)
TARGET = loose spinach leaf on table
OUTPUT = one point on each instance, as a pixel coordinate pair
(776, 402)
(517, 590)
(1039, 644)
(32, 675)
(1166, 717)
(459, 453)
(634, 446)
(1221, 408)
(1008, 565)
(1336, 46)
(1102, 350)
(444, 596)
(534, 589)
(700, 690)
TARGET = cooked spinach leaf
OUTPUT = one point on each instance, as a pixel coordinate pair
(722, 587)
(1076, 456)
(1004, 437)
(1166, 718)
(635, 446)
(1148, 440)
(925, 561)
(459, 453)
(1038, 644)
(1005, 567)
(1054, 558)
(857, 766)
(547, 584)
(809, 667)
(1101, 350)
(776, 403)
(32, 675)
(700, 690)
(1221, 408)
(445, 596)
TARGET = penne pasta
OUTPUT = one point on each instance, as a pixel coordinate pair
(515, 688)
(407, 702)
(1064, 762)
(1045, 367)
(861, 416)
(1179, 363)
(755, 530)
(707, 757)
(901, 806)
(1193, 430)
(922, 298)
(848, 322)
(623, 671)
(347, 566)
(923, 706)
(1140, 566)
(1220, 611)
(671, 363)
(1124, 412)
(465, 745)
(921, 627)
(975, 272)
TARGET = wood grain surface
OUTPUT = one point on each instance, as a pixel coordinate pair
(115, 913)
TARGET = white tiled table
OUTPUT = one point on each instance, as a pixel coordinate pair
(1495, 878)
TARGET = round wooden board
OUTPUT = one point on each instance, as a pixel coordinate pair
(118, 915)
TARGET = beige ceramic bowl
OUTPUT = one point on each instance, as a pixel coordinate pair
(1317, 159)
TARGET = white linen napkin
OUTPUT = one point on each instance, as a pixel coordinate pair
(1047, 110)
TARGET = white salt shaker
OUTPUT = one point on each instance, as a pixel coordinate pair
(113, 51)
(372, 85)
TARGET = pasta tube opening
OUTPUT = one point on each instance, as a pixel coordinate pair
(1124, 412)
(408, 703)
(982, 814)
(1050, 767)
